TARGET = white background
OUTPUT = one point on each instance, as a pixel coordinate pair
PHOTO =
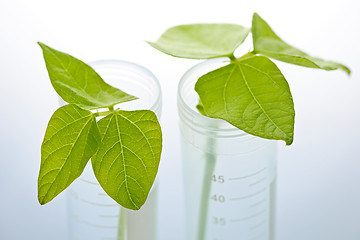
(318, 176)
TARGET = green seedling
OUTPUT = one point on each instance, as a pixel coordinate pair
(250, 92)
(124, 146)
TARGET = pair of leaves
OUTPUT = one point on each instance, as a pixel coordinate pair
(125, 146)
(250, 93)
(205, 41)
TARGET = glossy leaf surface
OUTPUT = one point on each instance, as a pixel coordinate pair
(251, 94)
(127, 162)
(201, 41)
(267, 43)
(76, 82)
(70, 140)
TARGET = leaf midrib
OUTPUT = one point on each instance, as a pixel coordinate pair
(88, 97)
(288, 55)
(123, 160)
(258, 103)
(63, 127)
(61, 63)
(67, 157)
(207, 45)
(142, 133)
(225, 88)
(205, 52)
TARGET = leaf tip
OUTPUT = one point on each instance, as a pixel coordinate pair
(151, 43)
(157, 47)
(347, 70)
(42, 45)
(136, 208)
(42, 201)
(200, 108)
(134, 98)
(256, 17)
(289, 141)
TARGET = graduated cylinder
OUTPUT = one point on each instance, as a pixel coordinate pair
(229, 175)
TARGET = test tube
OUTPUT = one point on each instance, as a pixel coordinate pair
(92, 213)
(229, 175)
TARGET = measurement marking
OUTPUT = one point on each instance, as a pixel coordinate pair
(249, 196)
(109, 216)
(247, 176)
(249, 217)
(258, 236)
(257, 182)
(87, 181)
(258, 225)
(257, 203)
(99, 226)
(99, 204)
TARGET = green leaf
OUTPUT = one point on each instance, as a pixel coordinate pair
(76, 82)
(71, 138)
(127, 162)
(201, 41)
(252, 95)
(267, 43)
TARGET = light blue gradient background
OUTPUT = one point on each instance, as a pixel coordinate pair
(318, 176)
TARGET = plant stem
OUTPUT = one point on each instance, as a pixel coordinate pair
(121, 234)
(99, 114)
(210, 163)
(232, 57)
(247, 55)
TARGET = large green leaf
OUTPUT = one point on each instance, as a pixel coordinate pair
(127, 162)
(71, 138)
(251, 94)
(267, 43)
(76, 82)
(201, 41)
